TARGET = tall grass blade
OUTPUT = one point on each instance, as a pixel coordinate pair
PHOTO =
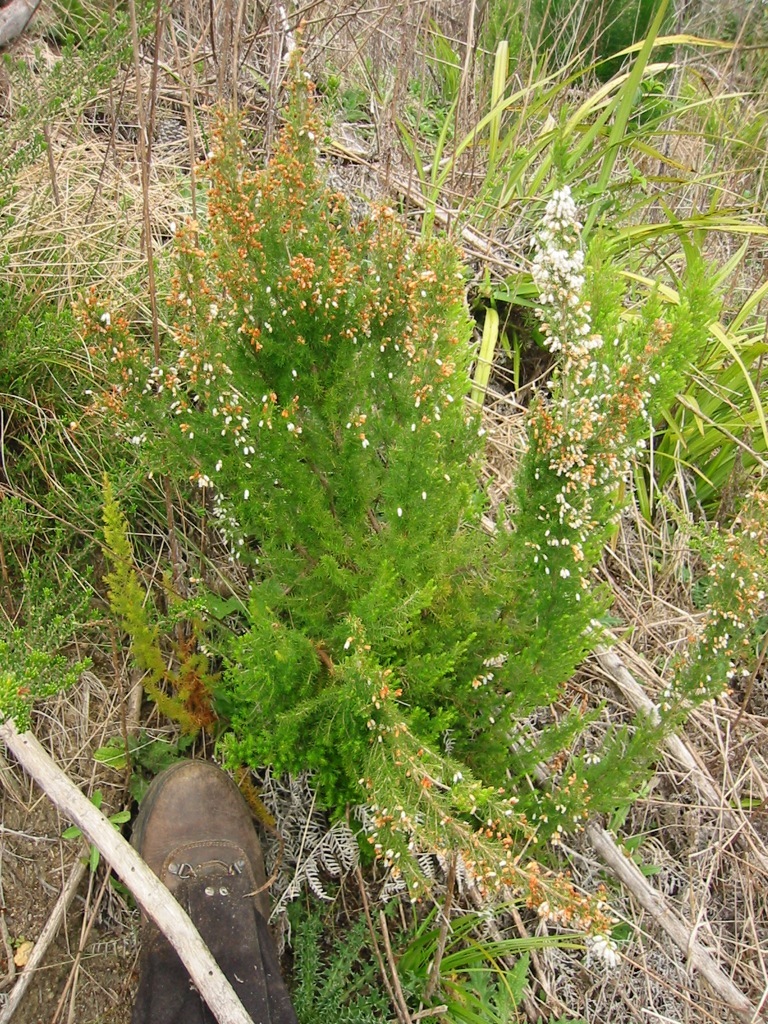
(626, 100)
(485, 356)
(477, 131)
(728, 345)
(750, 306)
(500, 70)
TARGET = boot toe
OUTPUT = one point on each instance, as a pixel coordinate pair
(195, 823)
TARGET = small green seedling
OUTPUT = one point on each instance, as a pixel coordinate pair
(73, 832)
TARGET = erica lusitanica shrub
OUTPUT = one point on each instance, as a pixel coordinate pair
(396, 642)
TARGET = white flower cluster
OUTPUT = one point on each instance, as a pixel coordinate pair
(583, 430)
(558, 273)
(602, 949)
(229, 528)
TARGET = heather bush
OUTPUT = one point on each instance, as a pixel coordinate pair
(401, 640)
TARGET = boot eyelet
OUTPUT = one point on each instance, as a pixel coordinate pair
(209, 890)
(181, 870)
(223, 891)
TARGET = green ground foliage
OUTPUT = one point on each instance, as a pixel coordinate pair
(336, 980)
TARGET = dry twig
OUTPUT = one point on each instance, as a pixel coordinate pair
(445, 924)
(393, 969)
(402, 1012)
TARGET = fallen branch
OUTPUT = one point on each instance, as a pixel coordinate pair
(150, 893)
(480, 244)
(630, 875)
(740, 826)
(14, 19)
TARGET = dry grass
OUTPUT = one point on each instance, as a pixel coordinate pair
(79, 218)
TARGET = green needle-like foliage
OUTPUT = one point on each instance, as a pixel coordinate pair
(338, 989)
(127, 600)
(32, 663)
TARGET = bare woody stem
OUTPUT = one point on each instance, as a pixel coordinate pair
(145, 156)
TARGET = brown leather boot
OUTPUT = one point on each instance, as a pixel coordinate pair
(195, 831)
